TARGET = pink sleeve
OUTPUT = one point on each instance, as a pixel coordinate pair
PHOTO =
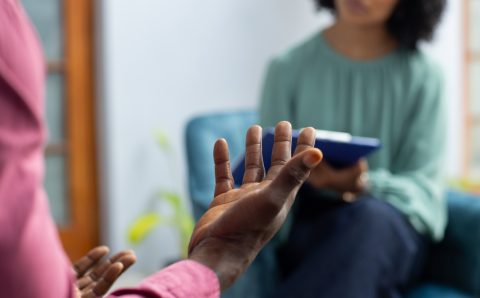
(32, 261)
(182, 279)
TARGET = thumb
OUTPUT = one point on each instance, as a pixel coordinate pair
(296, 171)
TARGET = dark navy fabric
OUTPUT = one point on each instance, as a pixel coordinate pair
(361, 249)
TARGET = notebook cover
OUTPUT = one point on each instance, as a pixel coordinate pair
(339, 150)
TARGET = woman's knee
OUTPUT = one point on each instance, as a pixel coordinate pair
(375, 211)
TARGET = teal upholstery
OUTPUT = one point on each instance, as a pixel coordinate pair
(456, 260)
(453, 270)
(430, 290)
(201, 134)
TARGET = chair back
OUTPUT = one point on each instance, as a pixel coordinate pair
(201, 133)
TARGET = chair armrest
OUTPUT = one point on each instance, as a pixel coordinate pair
(435, 291)
(455, 261)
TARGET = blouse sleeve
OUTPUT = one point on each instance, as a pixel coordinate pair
(276, 102)
(414, 184)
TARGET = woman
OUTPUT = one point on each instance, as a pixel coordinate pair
(224, 243)
(366, 76)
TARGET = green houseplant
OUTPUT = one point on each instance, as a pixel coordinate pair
(177, 216)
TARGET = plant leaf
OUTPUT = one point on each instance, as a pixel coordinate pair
(173, 199)
(143, 226)
(182, 219)
(186, 226)
(162, 140)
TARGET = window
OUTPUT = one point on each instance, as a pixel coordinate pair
(472, 90)
(65, 29)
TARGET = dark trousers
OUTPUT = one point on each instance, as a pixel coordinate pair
(365, 249)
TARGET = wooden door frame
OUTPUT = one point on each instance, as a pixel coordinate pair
(82, 232)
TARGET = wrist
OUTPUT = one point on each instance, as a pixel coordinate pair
(212, 263)
(225, 261)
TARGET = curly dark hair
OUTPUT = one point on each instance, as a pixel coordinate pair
(411, 22)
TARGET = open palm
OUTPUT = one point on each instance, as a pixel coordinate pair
(239, 222)
(95, 275)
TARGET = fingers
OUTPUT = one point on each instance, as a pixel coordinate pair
(295, 172)
(354, 177)
(254, 170)
(105, 283)
(360, 181)
(306, 140)
(83, 265)
(347, 182)
(126, 258)
(108, 279)
(223, 175)
(281, 151)
(349, 197)
(363, 163)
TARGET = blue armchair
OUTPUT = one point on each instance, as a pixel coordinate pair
(453, 270)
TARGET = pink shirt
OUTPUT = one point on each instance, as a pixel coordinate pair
(32, 260)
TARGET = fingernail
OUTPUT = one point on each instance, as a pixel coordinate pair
(313, 158)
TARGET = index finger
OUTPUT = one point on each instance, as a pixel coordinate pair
(293, 174)
(306, 140)
(87, 262)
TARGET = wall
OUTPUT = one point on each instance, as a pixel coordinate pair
(447, 50)
(161, 62)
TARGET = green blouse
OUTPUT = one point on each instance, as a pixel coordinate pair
(396, 98)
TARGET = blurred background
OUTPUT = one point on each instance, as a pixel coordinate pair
(126, 76)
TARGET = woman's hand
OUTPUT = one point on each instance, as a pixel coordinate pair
(95, 275)
(241, 221)
(348, 182)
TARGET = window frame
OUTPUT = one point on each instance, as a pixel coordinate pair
(471, 121)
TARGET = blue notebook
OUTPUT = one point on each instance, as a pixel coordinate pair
(339, 149)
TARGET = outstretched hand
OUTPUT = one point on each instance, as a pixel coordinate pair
(239, 222)
(95, 275)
